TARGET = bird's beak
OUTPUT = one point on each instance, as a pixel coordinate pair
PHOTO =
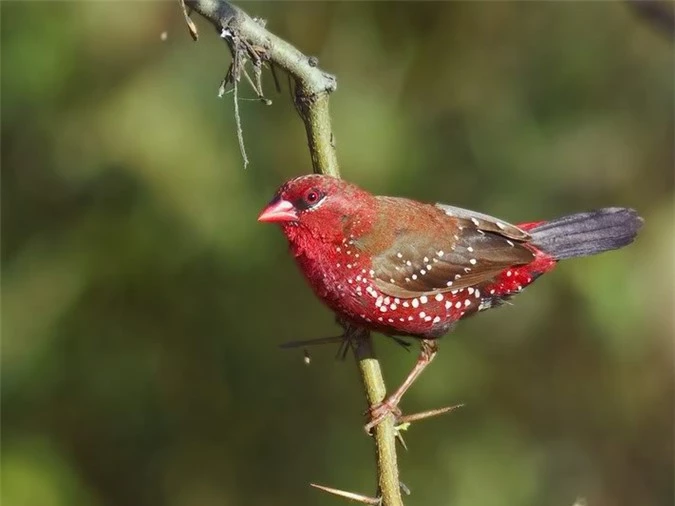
(279, 210)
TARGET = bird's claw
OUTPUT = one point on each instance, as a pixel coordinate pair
(378, 413)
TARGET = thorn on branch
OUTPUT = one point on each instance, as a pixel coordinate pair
(405, 420)
(192, 28)
(349, 495)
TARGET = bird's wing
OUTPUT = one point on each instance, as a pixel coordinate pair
(486, 223)
(477, 248)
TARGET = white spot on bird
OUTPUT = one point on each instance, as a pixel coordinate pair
(422, 314)
(439, 297)
(423, 299)
(510, 243)
(449, 283)
(426, 259)
(492, 292)
(475, 221)
(427, 318)
(399, 254)
(383, 309)
(405, 303)
(472, 261)
(458, 305)
(437, 319)
(440, 253)
(470, 290)
(423, 272)
(415, 303)
(414, 276)
(508, 273)
(469, 249)
(467, 303)
(393, 307)
(408, 263)
(448, 304)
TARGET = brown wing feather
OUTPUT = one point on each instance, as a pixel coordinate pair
(480, 248)
(486, 222)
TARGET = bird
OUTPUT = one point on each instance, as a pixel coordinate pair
(405, 268)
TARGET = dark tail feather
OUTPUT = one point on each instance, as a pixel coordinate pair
(584, 234)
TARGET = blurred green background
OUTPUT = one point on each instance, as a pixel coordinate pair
(143, 305)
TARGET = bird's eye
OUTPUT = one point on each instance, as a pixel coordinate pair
(312, 197)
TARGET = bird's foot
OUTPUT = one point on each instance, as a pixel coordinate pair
(378, 413)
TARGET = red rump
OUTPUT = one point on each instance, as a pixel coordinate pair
(403, 267)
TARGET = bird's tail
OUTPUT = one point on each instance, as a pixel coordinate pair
(584, 234)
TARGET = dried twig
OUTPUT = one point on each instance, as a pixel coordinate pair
(248, 39)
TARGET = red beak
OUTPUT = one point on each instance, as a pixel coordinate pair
(278, 211)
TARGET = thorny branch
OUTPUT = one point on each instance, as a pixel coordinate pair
(249, 41)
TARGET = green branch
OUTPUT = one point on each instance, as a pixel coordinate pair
(248, 39)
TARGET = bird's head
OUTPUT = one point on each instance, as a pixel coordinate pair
(316, 205)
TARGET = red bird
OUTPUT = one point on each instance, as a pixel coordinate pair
(405, 268)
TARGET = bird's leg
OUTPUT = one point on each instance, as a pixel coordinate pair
(428, 350)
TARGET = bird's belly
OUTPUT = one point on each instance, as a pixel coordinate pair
(350, 292)
(346, 286)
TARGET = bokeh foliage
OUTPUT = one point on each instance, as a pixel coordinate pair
(142, 304)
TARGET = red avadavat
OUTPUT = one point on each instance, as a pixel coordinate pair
(406, 268)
